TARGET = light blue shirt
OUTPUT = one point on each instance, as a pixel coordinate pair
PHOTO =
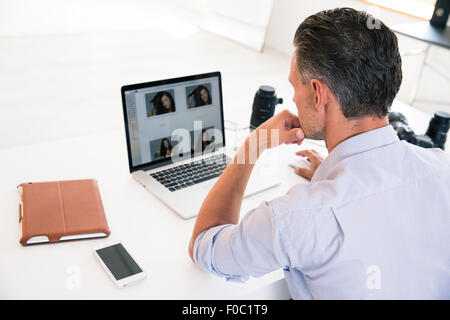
(374, 223)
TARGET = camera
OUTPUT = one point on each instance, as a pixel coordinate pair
(263, 105)
(435, 136)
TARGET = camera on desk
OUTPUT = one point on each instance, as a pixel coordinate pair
(263, 105)
(434, 137)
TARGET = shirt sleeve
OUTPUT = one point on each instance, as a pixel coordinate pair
(254, 247)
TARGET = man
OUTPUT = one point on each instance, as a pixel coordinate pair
(374, 223)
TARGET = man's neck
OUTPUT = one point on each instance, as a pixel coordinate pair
(340, 128)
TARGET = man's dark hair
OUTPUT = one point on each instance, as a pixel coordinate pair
(355, 55)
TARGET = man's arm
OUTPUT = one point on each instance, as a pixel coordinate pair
(223, 203)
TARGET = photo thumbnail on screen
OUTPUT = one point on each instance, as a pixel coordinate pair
(162, 148)
(182, 141)
(158, 103)
(199, 95)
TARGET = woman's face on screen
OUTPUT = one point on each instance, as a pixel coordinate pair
(204, 95)
(166, 144)
(165, 101)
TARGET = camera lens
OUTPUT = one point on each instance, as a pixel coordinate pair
(266, 91)
(438, 128)
(263, 105)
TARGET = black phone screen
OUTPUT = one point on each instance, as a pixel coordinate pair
(118, 261)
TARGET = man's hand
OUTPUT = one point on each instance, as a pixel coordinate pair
(284, 127)
(314, 158)
(288, 127)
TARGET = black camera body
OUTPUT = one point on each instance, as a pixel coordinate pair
(435, 136)
(263, 105)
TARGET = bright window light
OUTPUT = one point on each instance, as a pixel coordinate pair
(422, 9)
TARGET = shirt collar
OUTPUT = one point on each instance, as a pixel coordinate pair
(357, 144)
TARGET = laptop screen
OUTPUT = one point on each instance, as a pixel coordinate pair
(171, 119)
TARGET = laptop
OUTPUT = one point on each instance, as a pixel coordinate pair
(176, 140)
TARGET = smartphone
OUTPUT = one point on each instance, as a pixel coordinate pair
(120, 266)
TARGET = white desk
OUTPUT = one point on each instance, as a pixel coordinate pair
(152, 232)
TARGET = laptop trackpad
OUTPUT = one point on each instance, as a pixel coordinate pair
(257, 183)
(265, 174)
(208, 184)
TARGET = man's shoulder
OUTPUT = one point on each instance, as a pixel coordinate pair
(430, 157)
(365, 174)
(306, 197)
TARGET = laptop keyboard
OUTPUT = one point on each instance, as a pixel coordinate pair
(192, 173)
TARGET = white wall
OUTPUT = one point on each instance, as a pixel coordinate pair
(56, 17)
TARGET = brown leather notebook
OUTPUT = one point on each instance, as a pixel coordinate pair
(61, 211)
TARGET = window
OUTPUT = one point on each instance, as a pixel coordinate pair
(422, 9)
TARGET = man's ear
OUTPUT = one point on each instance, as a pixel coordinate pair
(321, 98)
